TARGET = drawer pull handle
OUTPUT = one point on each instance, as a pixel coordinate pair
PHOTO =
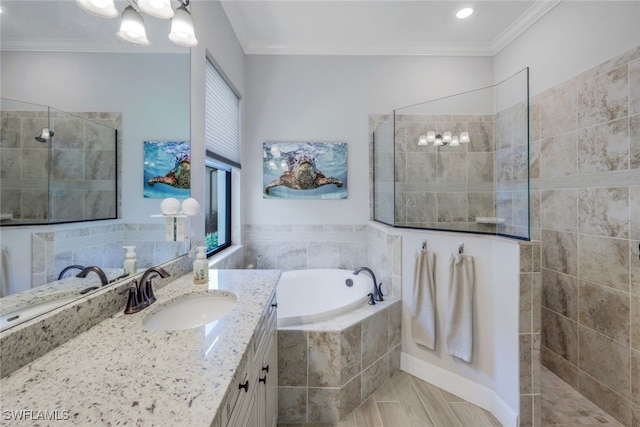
(266, 369)
(275, 304)
(244, 386)
(263, 380)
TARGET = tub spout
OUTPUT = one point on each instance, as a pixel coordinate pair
(376, 294)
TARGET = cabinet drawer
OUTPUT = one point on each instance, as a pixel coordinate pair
(240, 388)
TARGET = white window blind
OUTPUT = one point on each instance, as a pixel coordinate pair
(222, 117)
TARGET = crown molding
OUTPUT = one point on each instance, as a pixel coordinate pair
(256, 47)
(527, 19)
(436, 49)
(77, 46)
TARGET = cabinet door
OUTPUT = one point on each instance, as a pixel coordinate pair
(270, 372)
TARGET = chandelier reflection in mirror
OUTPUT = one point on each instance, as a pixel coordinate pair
(446, 138)
(132, 28)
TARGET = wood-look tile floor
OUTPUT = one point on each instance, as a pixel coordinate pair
(564, 406)
(405, 400)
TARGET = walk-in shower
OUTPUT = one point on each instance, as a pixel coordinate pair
(52, 177)
(458, 163)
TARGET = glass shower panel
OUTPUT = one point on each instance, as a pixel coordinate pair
(444, 162)
(458, 163)
(83, 168)
(56, 166)
(24, 168)
(383, 171)
(512, 155)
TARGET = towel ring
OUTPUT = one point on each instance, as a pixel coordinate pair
(424, 244)
(460, 248)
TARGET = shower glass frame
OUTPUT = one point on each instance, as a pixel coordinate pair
(480, 187)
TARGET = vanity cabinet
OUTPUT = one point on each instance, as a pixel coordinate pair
(252, 400)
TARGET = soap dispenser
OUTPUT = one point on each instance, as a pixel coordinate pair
(201, 267)
(130, 261)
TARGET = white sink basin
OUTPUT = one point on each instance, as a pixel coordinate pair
(191, 312)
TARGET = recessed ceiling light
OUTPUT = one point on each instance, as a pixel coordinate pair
(464, 13)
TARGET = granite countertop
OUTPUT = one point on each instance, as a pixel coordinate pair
(117, 373)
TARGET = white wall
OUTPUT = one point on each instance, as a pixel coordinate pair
(491, 380)
(147, 89)
(573, 37)
(217, 39)
(329, 98)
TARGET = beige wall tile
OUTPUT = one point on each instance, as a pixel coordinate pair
(603, 98)
(634, 87)
(558, 155)
(559, 210)
(560, 335)
(635, 377)
(605, 310)
(604, 211)
(560, 293)
(324, 359)
(292, 358)
(634, 210)
(558, 114)
(635, 322)
(634, 142)
(560, 251)
(292, 405)
(374, 338)
(604, 147)
(604, 261)
(613, 403)
(605, 360)
(350, 352)
(568, 372)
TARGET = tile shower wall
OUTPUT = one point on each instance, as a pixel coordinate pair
(585, 167)
(297, 247)
(38, 184)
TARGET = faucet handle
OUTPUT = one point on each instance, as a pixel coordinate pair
(133, 304)
(148, 287)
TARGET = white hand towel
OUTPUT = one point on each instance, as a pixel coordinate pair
(459, 324)
(423, 309)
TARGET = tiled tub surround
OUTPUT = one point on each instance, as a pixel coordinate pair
(300, 247)
(327, 369)
(28, 341)
(585, 166)
(74, 181)
(118, 373)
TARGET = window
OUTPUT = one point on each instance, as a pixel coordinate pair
(222, 138)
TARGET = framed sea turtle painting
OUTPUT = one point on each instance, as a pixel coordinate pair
(304, 170)
(167, 169)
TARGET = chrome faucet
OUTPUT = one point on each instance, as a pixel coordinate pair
(376, 295)
(85, 271)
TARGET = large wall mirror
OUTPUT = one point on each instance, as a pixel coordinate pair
(61, 66)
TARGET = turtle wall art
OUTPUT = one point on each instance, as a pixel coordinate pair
(167, 169)
(304, 170)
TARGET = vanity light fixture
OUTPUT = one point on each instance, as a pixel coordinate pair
(132, 28)
(446, 138)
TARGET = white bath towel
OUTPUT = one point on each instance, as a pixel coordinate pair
(423, 309)
(459, 324)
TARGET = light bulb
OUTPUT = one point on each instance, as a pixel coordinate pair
(422, 140)
(431, 136)
(156, 8)
(446, 137)
(464, 137)
(454, 141)
(132, 28)
(102, 8)
(438, 140)
(182, 32)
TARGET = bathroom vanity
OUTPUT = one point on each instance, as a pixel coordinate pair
(121, 373)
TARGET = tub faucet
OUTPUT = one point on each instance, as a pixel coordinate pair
(376, 294)
(97, 270)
